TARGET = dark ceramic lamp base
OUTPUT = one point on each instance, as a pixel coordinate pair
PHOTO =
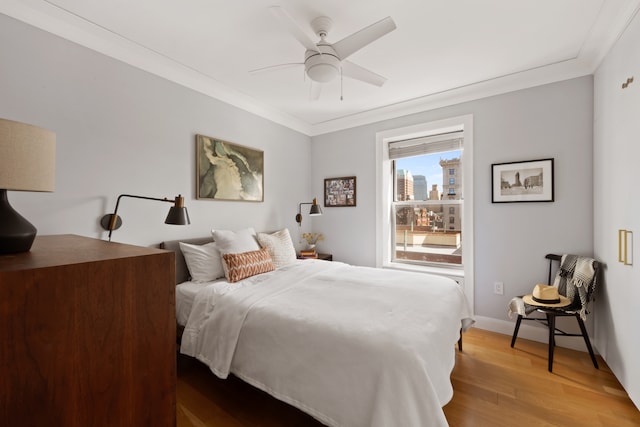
(16, 233)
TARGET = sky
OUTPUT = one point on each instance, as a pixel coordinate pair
(428, 165)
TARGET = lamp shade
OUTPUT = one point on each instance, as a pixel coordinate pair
(178, 214)
(315, 208)
(27, 163)
(27, 157)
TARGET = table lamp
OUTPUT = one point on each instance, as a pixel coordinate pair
(27, 163)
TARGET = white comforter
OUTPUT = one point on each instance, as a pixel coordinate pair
(352, 346)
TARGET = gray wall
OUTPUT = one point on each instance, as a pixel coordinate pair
(511, 240)
(123, 130)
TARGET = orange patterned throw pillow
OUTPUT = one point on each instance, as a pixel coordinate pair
(247, 264)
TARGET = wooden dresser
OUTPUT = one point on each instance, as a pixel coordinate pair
(87, 335)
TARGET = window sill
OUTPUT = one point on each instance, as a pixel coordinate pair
(442, 271)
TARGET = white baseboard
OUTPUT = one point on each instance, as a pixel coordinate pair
(530, 332)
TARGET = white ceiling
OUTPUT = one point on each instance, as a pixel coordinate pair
(442, 52)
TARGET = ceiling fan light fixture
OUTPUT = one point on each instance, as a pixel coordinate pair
(322, 67)
(322, 73)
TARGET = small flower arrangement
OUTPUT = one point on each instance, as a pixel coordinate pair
(312, 238)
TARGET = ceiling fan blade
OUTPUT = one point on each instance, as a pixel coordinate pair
(275, 67)
(349, 69)
(293, 28)
(360, 39)
(314, 93)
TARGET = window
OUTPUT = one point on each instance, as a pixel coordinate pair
(422, 233)
(416, 231)
(393, 147)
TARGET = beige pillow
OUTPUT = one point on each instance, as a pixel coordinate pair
(280, 247)
(247, 264)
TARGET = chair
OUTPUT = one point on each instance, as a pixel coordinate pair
(550, 314)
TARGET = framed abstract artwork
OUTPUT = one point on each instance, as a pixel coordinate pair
(527, 181)
(228, 171)
(340, 191)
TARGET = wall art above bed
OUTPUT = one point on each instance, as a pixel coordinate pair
(527, 181)
(227, 171)
(340, 191)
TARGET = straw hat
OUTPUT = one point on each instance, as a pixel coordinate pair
(546, 296)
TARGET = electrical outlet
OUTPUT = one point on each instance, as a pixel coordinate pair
(498, 288)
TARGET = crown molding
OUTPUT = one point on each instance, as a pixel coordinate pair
(564, 70)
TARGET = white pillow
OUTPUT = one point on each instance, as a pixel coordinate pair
(235, 242)
(280, 247)
(203, 261)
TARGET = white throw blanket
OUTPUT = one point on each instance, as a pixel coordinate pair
(352, 346)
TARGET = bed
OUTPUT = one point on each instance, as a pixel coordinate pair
(351, 346)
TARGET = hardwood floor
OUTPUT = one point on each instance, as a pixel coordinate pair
(494, 385)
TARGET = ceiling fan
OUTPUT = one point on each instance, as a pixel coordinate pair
(324, 61)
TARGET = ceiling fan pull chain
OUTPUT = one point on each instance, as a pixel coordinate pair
(340, 83)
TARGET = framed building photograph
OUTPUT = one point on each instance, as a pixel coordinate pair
(340, 191)
(527, 181)
(227, 171)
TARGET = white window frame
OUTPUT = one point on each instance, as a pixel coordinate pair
(384, 197)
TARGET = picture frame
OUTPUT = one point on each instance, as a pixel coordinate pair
(340, 192)
(228, 171)
(524, 181)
